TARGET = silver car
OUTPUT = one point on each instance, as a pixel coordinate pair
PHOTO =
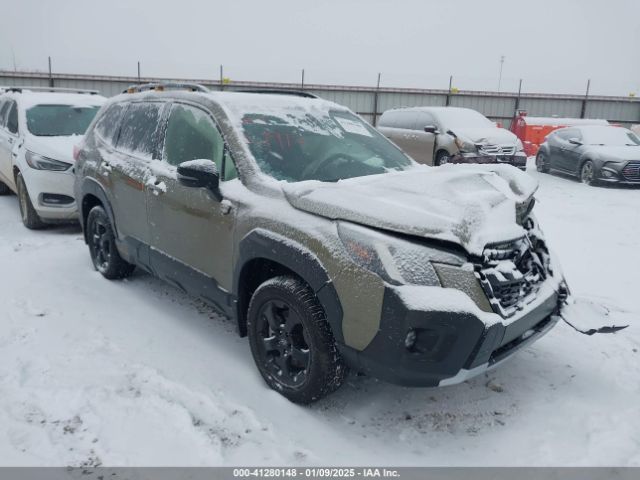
(438, 135)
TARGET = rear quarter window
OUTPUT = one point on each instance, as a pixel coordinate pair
(108, 123)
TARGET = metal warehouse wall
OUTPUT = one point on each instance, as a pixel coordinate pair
(364, 100)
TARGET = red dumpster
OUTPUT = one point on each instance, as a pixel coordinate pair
(533, 130)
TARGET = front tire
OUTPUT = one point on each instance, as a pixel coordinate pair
(542, 165)
(30, 217)
(587, 173)
(442, 158)
(102, 246)
(291, 341)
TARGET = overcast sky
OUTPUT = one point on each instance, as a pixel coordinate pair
(554, 45)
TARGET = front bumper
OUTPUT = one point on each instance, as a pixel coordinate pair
(450, 346)
(518, 160)
(620, 174)
(51, 193)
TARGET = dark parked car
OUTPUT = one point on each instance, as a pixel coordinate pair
(606, 154)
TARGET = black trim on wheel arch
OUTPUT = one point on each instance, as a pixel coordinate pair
(92, 187)
(262, 244)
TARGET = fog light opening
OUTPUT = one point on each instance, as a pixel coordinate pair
(410, 340)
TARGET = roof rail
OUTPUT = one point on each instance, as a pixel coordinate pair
(161, 86)
(50, 89)
(279, 91)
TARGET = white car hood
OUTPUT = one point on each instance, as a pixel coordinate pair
(471, 205)
(490, 135)
(57, 148)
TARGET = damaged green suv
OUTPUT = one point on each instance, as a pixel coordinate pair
(330, 248)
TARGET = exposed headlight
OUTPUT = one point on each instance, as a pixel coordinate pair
(465, 146)
(399, 261)
(394, 259)
(40, 162)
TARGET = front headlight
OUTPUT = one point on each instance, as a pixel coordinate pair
(519, 146)
(395, 260)
(40, 162)
(464, 146)
(402, 262)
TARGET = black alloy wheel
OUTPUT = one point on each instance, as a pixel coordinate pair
(291, 341)
(102, 246)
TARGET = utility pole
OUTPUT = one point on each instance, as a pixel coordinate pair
(448, 100)
(50, 74)
(375, 102)
(302, 84)
(502, 57)
(583, 111)
(517, 107)
(139, 81)
(221, 78)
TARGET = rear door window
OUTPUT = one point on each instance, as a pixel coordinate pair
(12, 117)
(139, 130)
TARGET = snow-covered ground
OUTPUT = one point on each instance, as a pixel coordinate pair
(136, 373)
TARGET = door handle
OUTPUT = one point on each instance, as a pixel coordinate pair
(106, 169)
(157, 187)
(226, 207)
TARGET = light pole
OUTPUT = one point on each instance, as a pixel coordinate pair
(502, 57)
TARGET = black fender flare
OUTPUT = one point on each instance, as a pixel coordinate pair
(91, 186)
(263, 244)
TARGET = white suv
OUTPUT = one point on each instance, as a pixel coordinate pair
(38, 132)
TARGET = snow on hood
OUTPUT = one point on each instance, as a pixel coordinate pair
(498, 136)
(613, 152)
(58, 148)
(471, 205)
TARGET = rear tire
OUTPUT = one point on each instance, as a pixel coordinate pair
(4, 190)
(102, 246)
(29, 216)
(542, 165)
(442, 158)
(291, 341)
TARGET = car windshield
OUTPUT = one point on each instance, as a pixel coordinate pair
(614, 136)
(463, 118)
(295, 144)
(59, 120)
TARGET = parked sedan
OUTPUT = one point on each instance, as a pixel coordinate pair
(605, 154)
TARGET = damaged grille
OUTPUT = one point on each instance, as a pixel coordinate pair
(631, 171)
(491, 149)
(511, 273)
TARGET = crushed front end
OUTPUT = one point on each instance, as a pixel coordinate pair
(484, 310)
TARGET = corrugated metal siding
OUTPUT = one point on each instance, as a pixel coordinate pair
(497, 106)
(546, 107)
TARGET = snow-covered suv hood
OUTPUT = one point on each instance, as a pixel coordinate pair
(490, 135)
(471, 205)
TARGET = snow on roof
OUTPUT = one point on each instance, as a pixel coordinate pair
(563, 121)
(240, 103)
(27, 99)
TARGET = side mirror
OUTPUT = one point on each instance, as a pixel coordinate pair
(431, 129)
(575, 141)
(200, 174)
